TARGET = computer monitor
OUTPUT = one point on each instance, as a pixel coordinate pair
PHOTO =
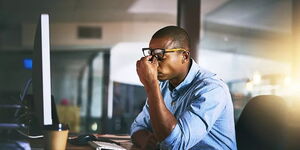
(41, 73)
(39, 106)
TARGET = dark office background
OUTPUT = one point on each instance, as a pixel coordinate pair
(248, 43)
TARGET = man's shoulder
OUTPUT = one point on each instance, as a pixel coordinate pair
(208, 80)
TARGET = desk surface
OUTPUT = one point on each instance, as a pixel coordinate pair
(123, 140)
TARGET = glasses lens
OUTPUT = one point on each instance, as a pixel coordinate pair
(146, 52)
(159, 53)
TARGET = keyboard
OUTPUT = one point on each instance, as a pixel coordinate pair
(105, 145)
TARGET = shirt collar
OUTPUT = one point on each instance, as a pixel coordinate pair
(189, 78)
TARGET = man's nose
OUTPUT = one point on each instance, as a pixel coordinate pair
(159, 63)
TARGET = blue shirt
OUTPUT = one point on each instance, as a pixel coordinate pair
(203, 108)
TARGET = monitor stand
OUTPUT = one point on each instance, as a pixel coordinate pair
(35, 128)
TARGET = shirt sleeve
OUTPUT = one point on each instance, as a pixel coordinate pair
(142, 121)
(198, 119)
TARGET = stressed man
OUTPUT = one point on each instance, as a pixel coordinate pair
(187, 107)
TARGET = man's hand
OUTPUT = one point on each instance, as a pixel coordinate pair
(145, 140)
(147, 70)
(151, 142)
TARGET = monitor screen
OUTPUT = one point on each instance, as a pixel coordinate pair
(41, 72)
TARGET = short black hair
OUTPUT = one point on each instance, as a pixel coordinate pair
(178, 35)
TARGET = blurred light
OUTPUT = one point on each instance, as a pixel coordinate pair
(225, 38)
(256, 78)
(27, 63)
(249, 86)
(291, 86)
(295, 88)
(287, 81)
(154, 6)
(94, 126)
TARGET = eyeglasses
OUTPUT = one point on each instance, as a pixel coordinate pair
(159, 53)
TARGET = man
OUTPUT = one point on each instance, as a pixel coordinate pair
(187, 106)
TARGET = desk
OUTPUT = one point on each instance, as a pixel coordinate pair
(123, 140)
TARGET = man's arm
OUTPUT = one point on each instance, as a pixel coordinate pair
(199, 118)
(163, 121)
(208, 102)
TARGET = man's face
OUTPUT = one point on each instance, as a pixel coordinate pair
(171, 65)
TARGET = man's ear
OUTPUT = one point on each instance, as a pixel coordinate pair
(185, 57)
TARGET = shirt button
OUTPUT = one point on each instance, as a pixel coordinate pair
(173, 103)
(174, 94)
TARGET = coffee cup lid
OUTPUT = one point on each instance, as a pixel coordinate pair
(57, 127)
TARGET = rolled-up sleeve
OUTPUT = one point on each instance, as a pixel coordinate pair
(197, 120)
(142, 121)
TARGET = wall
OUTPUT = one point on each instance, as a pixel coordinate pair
(65, 34)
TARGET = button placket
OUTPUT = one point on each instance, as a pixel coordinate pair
(174, 97)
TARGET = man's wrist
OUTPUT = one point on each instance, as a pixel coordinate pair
(151, 85)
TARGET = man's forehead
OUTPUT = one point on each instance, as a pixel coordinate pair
(164, 42)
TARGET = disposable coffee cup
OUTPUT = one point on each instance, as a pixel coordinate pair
(56, 136)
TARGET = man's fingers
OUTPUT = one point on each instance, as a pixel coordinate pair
(137, 65)
(154, 61)
(146, 58)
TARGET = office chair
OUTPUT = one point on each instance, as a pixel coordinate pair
(261, 125)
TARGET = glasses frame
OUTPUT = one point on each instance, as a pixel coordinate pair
(164, 51)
